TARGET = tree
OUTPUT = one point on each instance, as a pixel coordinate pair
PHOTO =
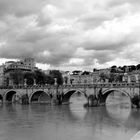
(30, 76)
(112, 77)
(103, 76)
(113, 69)
(133, 67)
(124, 68)
(120, 78)
(40, 77)
(65, 79)
(17, 77)
(85, 73)
(95, 70)
(49, 80)
(138, 67)
(58, 75)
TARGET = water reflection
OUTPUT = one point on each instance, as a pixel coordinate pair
(77, 102)
(133, 121)
(118, 106)
(34, 122)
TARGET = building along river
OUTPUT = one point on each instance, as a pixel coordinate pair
(116, 121)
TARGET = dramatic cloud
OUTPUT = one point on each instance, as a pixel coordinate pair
(74, 34)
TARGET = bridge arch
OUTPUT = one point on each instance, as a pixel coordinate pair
(10, 95)
(40, 97)
(106, 93)
(68, 94)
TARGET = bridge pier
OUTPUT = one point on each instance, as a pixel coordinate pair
(135, 101)
(54, 100)
(25, 99)
(58, 96)
(96, 99)
(93, 101)
(57, 100)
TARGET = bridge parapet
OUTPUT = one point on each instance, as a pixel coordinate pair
(98, 85)
(103, 85)
(87, 89)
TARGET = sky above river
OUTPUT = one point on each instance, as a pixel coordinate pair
(71, 34)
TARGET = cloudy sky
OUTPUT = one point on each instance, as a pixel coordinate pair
(71, 34)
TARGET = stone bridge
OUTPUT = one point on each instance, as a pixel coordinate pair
(53, 94)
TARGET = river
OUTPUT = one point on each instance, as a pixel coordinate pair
(116, 121)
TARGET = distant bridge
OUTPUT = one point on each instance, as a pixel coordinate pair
(51, 94)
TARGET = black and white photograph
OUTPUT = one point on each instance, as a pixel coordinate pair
(69, 70)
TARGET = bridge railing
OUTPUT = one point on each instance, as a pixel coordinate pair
(86, 85)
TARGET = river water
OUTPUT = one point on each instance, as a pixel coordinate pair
(116, 121)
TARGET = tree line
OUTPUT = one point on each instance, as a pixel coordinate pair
(123, 69)
(39, 77)
(111, 77)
